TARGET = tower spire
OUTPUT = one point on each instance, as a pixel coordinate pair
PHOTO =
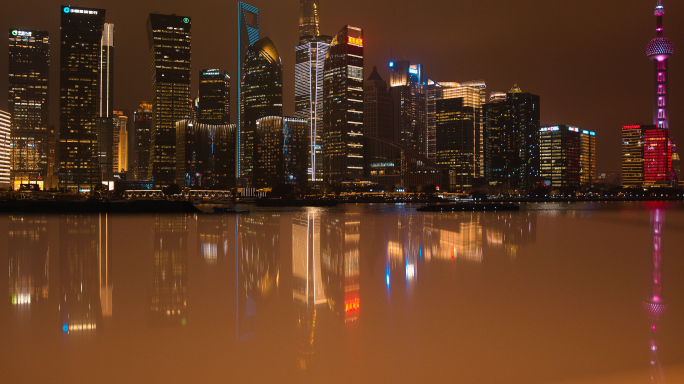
(659, 12)
(308, 20)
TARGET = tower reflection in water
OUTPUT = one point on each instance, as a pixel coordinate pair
(169, 304)
(29, 257)
(257, 262)
(654, 307)
(80, 269)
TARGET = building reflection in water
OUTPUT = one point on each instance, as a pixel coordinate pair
(212, 237)
(80, 273)
(307, 291)
(257, 265)
(654, 307)
(340, 235)
(29, 257)
(464, 237)
(170, 270)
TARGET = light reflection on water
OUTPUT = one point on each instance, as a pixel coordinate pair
(365, 293)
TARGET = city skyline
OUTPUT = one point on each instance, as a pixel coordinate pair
(599, 86)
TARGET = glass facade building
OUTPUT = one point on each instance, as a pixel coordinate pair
(567, 156)
(248, 34)
(80, 68)
(214, 97)
(142, 128)
(511, 136)
(262, 95)
(343, 107)
(28, 104)
(281, 155)
(378, 108)
(169, 38)
(205, 155)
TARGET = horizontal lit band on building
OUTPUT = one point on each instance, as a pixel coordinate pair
(22, 33)
(572, 129)
(80, 11)
(79, 327)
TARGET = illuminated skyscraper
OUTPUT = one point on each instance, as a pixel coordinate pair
(5, 120)
(105, 119)
(308, 20)
(310, 59)
(511, 136)
(80, 67)
(281, 155)
(169, 42)
(659, 50)
(262, 95)
(343, 107)
(567, 156)
(120, 142)
(142, 124)
(458, 110)
(28, 103)
(646, 154)
(248, 34)
(205, 155)
(214, 97)
(410, 108)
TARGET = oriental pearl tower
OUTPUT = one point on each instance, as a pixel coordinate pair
(659, 50)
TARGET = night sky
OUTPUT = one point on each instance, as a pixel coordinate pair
(585, 58)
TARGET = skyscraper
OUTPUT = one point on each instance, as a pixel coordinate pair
(378, 108)
(633, 155)
(28, 102)
(142, 124)
(567, 156)
(308, 20)
(120, 142)
(5, 120)
(262, 95)
(310, 58)
(248, 34)
(281, 155)
(512, 140)
(205, 155)
(410, 108)
(104, 122)
(214, 97)
(169, 40)
(343, 107)
(80, 66)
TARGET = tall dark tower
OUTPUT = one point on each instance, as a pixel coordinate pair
(659, 50)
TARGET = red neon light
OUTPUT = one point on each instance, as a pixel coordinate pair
(631, 126)
(355, 41)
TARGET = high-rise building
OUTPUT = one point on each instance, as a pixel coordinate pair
(282, 150)
(142, 124)
(104, 122)
(169, 41)
(308, 20)
(80, 68)
(205, 155)
(633, 155)
(456, 122)
(567, 156)
(378, 108)
(511, 136)
(248, 34)
(120, 142)
(343, 107)
(28, 103)
(262, 95)
(5, 142)
(458, 130)
(309, 61)
(214, 97)
(410, 108)
(657, 157)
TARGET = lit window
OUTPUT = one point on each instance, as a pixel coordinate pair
(661, 89)
(661, 77)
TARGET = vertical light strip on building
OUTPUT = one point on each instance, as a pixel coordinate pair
(4, 149)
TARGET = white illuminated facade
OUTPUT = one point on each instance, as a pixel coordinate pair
(310, 57)
(4, 149)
